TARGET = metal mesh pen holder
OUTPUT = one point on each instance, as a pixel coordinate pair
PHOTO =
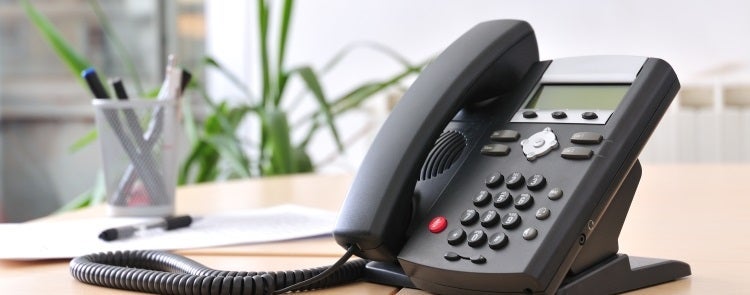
(138, 145)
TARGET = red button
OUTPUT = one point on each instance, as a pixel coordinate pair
(437, 224)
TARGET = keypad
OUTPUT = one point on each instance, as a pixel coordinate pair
(512, 218)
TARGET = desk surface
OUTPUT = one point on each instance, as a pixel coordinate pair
(693, 213)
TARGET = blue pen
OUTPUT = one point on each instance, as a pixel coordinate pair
(95, 85)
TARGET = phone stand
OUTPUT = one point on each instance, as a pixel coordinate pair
(598, 268)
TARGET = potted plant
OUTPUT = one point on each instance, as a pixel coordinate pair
(216, 151)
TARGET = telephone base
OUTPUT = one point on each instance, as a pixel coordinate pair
(619, 274)
(387, 273)
(624, 273)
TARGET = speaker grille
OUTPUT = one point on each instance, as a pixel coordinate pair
(447, 149)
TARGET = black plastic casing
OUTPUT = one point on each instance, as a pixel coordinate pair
(538, 265)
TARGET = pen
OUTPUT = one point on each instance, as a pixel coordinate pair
(124, 232)
(95, 85)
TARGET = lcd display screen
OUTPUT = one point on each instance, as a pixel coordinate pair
(578, 96)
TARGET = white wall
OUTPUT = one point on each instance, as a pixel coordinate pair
(703, 41)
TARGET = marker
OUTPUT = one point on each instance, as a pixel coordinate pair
(95, 85)
(119, 88)
(124, 232)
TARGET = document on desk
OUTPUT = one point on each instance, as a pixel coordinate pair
(70, 238)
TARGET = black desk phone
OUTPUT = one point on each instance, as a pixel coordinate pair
(496, 173)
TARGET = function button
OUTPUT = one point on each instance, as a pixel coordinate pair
(586, 138)
(489, 218)
(437, 224)
(589, 115)
(555, 194)
(524, 201)
(577, 153)
(456, 236)
(494, 180)
(542, 213)
(479, 259)
(529, 114)
(539, 144)
(559, 115)
(511, 220)
(469, 217)
(536, 182)
(477, 238)
(530, 233)
(495, 149)
(451, 256)
(503, 200)
(498, 241)
(482, 198)
(515, 180)
(504, 135)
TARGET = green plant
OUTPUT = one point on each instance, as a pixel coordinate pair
(216, 151)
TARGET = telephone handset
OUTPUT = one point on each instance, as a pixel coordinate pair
(378, 205)
(496, 173)
(500, 173)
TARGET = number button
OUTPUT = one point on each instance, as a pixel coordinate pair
(536, 182)
(490, 218)
(477, 238)
(456, 236)
(511, 220)
(494, 180)
(482, 198)
(524, 201)
(515, 180)
(503, 200)
(498, 241)
(469, 217)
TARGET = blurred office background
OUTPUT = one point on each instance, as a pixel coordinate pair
(43, 110)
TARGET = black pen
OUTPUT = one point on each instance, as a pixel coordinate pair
(167, 223)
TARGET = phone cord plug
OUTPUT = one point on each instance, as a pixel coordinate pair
(168, 273)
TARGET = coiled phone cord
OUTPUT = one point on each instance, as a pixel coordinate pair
(167, 273)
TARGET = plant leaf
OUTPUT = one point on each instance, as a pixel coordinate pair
(303, 162)
(264, 58)
(286, 16)
(82, 142)
(76, 63)
(311, 80)
(277, 144)
(236, 81)
(119, 47)
(90, 197)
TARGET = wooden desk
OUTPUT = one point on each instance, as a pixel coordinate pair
(694, 213)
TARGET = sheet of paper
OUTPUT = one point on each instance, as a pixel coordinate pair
(66, 239)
